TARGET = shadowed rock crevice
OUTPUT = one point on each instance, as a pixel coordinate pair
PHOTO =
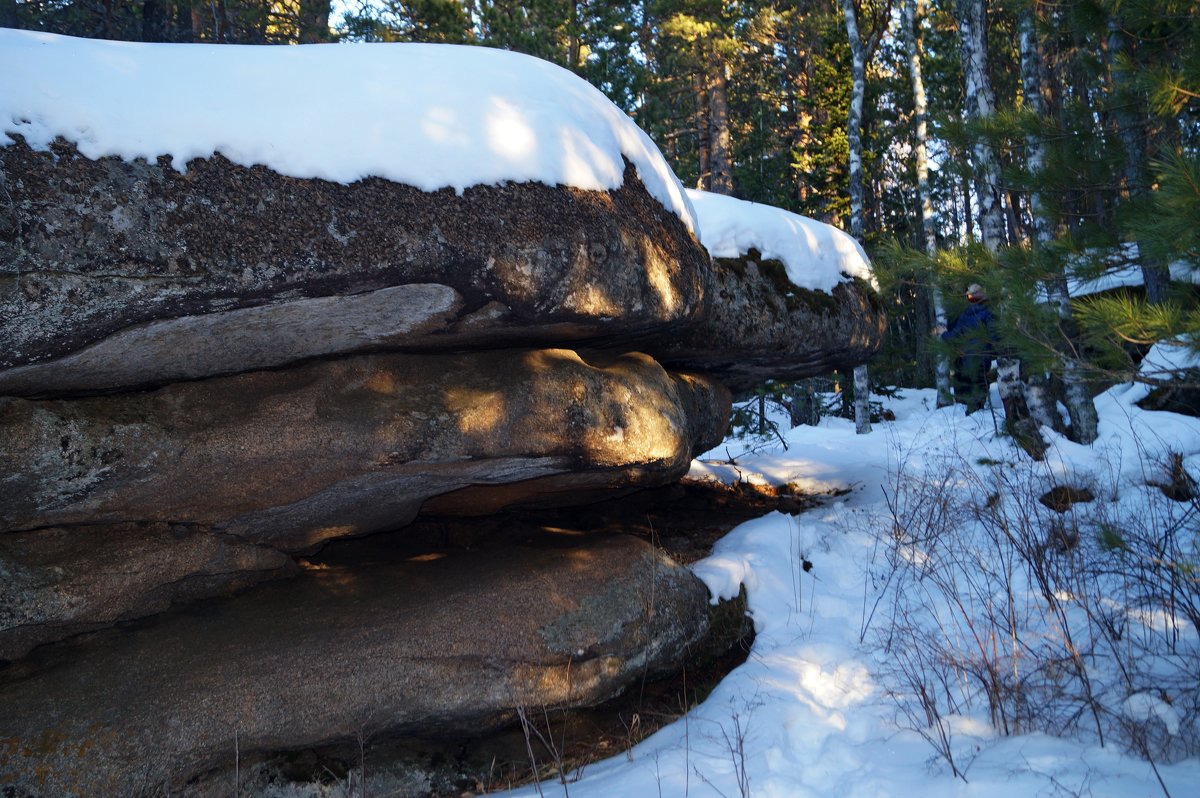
(445, 644)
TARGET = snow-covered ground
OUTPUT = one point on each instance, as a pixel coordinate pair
(819, 708)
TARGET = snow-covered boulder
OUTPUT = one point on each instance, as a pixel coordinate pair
(175, 211)
(789, 297)
(236, 324)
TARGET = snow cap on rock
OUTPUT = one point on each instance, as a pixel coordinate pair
(817, 256)
(427, 115)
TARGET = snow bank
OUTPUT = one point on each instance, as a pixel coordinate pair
(817, 256)
(431, 116)
(808, 715)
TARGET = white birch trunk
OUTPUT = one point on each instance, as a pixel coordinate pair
(981, 104)
(1080, 407)
(862, 383)
(862, 400)
(909, 30)
(854, 121)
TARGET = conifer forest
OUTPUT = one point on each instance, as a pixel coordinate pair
(1021, 145)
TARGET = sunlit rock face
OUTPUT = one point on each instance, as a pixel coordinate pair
(346, 447)
(116, 274)
(429, 645)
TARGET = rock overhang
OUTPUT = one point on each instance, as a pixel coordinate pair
(226, 366)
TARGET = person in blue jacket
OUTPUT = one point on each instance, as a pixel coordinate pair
(975, 338)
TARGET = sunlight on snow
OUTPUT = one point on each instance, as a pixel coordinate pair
(509, 133)
(823, 691)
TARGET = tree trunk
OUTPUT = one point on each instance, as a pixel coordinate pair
(862, 400)
(802, 118)
(862, 383)
(908, 29)
(8, 14)
(1080, 407)
(854, 121)
(220, 21)
(981, 104)
(1154, 275)
(1017, 417)
(703, 127)
(573, 41)
(720, 145)
(314, 21)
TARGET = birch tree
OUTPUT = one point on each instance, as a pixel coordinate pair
(1080, 407)
(981, 106)
(862, 384)
(908, 30)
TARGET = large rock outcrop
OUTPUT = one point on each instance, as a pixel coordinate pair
(207, 376)
(187, 484)
(115, 274)
(433, 646)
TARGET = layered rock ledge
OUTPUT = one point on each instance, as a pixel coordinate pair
(205, 376)
(433, 645)
(117, 274)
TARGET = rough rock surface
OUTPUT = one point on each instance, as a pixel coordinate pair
(758, 326)
(294, 457)
(449, 644)
(61, 581)
(115, 274)
(205, 376)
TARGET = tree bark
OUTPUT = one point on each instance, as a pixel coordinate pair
(703, 127)
(854, 121)
(314, 21)
(981, 104)
(8, 14)
(802, 118)
(1154, 275)
(862, 383)
(1078, 399)
(862, 400)
(720, 145)
(908, 29)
